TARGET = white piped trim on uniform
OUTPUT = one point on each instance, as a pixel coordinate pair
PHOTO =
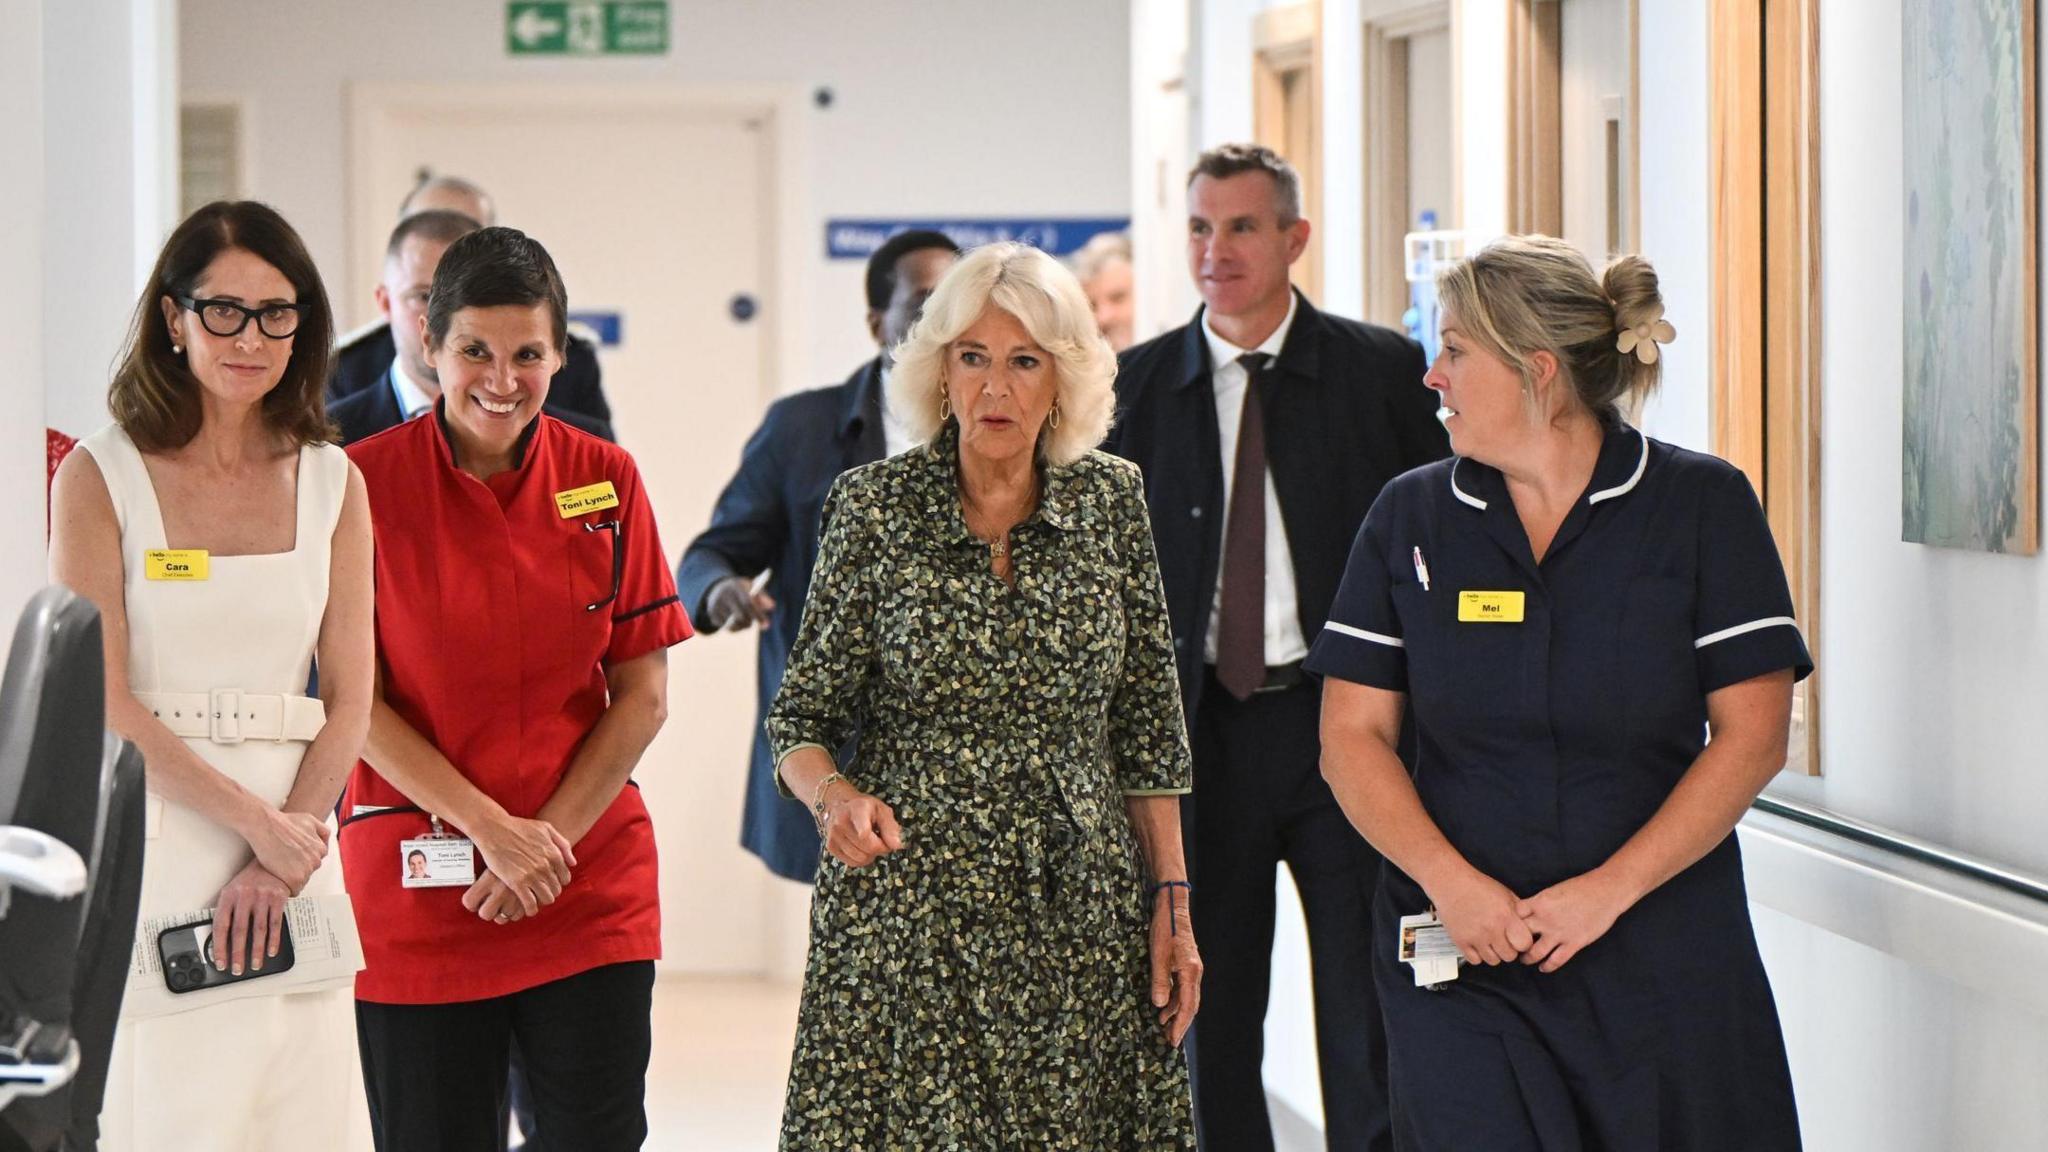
(1624, 489)
(1740, 629)
(1362, 634)
(1460, 493)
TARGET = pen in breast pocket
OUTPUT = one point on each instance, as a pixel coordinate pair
(1421, 569)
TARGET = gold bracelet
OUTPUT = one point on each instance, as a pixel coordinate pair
(818, 797)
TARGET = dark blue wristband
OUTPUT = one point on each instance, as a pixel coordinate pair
(1167, 886)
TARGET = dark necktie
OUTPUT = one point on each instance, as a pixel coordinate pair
(1241, 622)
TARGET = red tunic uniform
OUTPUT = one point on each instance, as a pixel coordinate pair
(491, 648)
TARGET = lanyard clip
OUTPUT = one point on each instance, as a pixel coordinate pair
(439, 833)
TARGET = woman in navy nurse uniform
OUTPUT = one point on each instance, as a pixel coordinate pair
(1569, 607)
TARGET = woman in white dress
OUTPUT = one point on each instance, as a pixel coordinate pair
(219, 451)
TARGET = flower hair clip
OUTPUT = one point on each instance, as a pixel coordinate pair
(1643, 338)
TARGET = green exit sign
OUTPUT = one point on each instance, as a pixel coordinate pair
(586, 27)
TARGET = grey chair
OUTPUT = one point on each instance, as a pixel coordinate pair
(64, 962)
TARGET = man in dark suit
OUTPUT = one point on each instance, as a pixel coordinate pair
(767, 520)
(363, 358)
(408, 385)
(1266, 429)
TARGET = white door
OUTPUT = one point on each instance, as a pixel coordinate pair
(655, 207)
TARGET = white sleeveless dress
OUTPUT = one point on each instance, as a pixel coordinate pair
(267, 1072)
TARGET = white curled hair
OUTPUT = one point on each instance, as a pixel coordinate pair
(1046, 299)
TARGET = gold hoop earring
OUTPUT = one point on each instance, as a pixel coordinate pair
(945, 406)
(1054, 419)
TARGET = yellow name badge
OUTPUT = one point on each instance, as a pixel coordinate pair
(589, 498)
(1490, 607)
(174, 564)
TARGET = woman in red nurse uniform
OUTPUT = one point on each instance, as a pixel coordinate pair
(524, 615)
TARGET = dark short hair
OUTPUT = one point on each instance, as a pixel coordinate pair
(440, 225)
(1226, 160)
(492, 267)
(154, 397)
(882, 265)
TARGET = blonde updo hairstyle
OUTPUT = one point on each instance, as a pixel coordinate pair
(1521, 295)
(1044, 297)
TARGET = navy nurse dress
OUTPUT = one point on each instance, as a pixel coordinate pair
(1542, 746)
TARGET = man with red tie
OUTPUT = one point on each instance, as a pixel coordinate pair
(1266, 428)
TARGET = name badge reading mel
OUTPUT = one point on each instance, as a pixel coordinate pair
(174, 564)
(1490, 607)
(589, 498)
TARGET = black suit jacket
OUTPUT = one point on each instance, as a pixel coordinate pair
(768, 518)
(372, 410)
(1348, 414)
(361, 361)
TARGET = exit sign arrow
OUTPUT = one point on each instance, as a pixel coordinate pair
(532, 26)
(586, 27)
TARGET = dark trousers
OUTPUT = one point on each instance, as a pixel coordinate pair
(435, 1073)
(1260, 800)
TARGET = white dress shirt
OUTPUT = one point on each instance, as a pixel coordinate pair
(1284, 642)
(412, 399)
(895, 437)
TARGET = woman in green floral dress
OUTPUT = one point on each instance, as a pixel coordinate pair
(1001, 955)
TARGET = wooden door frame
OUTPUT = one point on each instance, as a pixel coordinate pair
(1534, 113)
(1286, 40)
(1764, 301)
(1535, 160)
(1385, 124)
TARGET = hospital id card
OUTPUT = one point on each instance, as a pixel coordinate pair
(437, 862)
(1425, 945)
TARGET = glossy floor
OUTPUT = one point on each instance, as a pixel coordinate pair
(721, 1059)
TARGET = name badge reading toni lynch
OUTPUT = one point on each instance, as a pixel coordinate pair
(437, 862)
(589, 498)
(174, 564)
(1490, 607)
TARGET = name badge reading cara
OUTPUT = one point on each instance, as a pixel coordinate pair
(1490, 607)
(174, 564)
(589, 498)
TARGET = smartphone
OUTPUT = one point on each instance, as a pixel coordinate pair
(188, 964)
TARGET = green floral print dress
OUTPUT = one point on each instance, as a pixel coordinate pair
(988, 987)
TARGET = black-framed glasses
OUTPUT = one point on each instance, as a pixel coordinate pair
(618, 556)
(227, 318)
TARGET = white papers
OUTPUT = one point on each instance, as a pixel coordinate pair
(327, 953)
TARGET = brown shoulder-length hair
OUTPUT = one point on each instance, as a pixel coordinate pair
(154, 397)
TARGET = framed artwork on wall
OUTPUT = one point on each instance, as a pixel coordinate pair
(1971, 461)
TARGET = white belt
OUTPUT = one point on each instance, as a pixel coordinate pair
(230, 716)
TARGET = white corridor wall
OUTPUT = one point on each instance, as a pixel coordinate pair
(963, 108)
(22, 250)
